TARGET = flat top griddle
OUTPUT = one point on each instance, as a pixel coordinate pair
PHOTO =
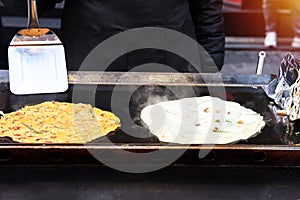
(271, 146)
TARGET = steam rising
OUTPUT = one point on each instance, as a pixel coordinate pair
(150, 95)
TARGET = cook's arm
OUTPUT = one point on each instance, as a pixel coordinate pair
(19, 7)
(209, 27)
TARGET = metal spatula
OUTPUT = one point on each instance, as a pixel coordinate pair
(36, 59)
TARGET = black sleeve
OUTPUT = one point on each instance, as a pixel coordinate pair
(19, 7)
(209, 27)
(3, 49)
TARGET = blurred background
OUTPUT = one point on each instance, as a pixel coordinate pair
(244, 29)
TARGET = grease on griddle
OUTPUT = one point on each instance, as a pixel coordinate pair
(292, 136)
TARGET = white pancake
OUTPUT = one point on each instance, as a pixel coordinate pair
(201, 120)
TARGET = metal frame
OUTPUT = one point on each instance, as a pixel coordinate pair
(158, 78)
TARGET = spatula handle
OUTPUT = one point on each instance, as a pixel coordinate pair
(33, 21)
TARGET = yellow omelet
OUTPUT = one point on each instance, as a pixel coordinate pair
(58, 122)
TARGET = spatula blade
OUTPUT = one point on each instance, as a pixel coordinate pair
(37, 69)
